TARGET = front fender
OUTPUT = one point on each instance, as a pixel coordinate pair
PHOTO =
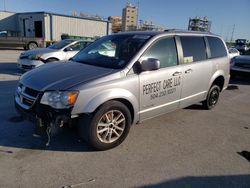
(56, 55)
(110, 94)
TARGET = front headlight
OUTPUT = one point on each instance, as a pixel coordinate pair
(35, 57)
(59, 99)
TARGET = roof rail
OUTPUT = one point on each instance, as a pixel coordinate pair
(185, 31)
(173, 29)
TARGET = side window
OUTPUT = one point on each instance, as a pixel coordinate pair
(217, 48)
(163, 50)
(83, 44)
(194, 49)
(76, 46)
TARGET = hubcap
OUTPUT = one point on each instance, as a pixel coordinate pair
(214, 97)
(32, 46)
(111, 126)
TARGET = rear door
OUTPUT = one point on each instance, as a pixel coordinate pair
(160, 90)
(196, 68)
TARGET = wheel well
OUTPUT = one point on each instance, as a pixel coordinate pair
(219, 81)
(126, 103)
(129, 106)
(32, 42)
(52, 58)
(27, 44)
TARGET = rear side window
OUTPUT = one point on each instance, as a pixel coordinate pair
(217, 48)
(194, 49)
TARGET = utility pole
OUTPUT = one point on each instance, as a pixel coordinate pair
(138, 7)
(232, 34)
(4, 6)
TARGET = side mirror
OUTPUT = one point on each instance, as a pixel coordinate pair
(68, 49)
(150, 64)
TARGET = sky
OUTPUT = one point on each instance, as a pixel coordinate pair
(224, 14)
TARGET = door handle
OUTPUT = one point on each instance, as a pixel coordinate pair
(177, 73)
(188, 71)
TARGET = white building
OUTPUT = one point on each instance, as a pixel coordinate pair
(51, 26)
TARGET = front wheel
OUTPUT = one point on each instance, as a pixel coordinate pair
(212, 97)
(107, 127)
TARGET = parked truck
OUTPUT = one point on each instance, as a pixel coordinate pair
(241, 45)
(13, 39)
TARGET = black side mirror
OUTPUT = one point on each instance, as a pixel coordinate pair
(68, 49)
(150, 64)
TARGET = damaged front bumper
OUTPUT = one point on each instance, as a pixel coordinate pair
(46, 119)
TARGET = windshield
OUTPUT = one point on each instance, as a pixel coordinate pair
(61, 44)
(113, 51)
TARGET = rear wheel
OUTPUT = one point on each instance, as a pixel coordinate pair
(107, 127)
(212, 97)
(32, 45)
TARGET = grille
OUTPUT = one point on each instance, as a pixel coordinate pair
(31, 92)
(25, 96)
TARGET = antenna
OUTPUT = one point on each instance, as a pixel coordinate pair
(232, 34)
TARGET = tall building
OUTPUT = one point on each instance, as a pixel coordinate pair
(129, 18)
(116, 23)
(199, 24)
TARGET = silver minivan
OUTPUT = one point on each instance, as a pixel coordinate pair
(123, 79)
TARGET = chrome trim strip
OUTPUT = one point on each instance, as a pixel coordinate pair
(28, 96)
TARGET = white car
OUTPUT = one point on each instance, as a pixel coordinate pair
(60, 51)
(233, 52)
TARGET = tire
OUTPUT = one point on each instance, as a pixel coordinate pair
(212, 97)
(32, 45)
(51, 60)
(112, 120)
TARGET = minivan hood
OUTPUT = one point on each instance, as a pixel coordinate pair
(37, 51)
(61, 75)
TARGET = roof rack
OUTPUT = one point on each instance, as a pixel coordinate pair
(185, 31)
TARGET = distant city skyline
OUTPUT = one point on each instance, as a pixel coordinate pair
(171, 14)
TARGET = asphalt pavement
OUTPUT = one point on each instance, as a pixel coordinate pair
(188, 148)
